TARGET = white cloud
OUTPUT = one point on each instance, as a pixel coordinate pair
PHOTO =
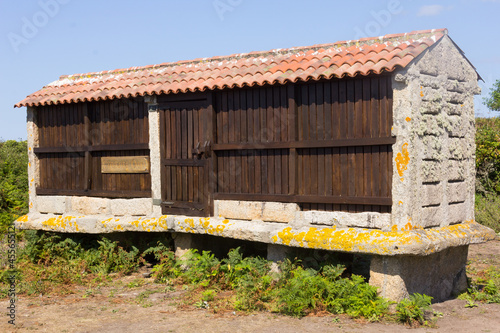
(430, 10)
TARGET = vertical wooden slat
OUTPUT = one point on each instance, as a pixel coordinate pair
(191, 114)
(358, 109)
(250, 112)
(231, 116)
(225, 121)
(88, 156)
(375, 107)
(293, 136)
(367, 109)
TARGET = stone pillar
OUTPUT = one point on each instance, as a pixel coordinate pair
(154, 152)
(276, 253)
(182, 242)
(33, 166)
(440, 275)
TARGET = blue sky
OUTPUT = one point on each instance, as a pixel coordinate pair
(43, 39)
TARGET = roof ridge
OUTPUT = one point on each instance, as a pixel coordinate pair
(363, 41)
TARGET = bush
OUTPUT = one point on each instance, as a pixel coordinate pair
(13, 182)
(487, 156)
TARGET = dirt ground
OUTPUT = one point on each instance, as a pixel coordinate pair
(136, 304)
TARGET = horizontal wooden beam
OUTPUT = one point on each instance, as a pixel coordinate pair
(191, 96)
(382, 201)
(183, 162)
(67, 150)
(307, 144)
(134, 146)
(184, 204)
(130, 146)
(184, 211)
(188, 104)
(95, 193)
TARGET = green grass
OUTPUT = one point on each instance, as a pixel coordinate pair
(52, 263)
(488, 211)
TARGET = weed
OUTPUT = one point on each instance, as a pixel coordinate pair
(136, 283)
(209, 295)
(485, 288)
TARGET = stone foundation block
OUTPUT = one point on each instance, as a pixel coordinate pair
(459, 148)
(344, 220)
(240, 210)
(134, 207)
(90, 206)
(456, 126)
(51, 204)
(456, 169)
(431, 171)
(432, 147)
(279, 211)
(457, 191)
(457, 213)
(440, 275)
(431, 216)
(431, 194)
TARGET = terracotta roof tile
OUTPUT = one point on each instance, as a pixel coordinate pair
(346, 58)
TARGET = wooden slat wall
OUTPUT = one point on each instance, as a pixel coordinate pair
(255, 115)
(62, 171)
(70, 147)
(326, 110)
(186, 128)
(345, 109)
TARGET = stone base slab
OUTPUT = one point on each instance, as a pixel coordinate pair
(355, 240)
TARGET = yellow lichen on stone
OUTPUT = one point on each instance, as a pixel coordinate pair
(22, 219)
(190, 222)
(60, 222)
(373, 241)
(402, 160)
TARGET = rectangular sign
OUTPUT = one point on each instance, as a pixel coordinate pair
(125, 164)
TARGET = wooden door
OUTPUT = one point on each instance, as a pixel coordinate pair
(185, 138)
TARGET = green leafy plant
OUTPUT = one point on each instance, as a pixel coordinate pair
(412, 310)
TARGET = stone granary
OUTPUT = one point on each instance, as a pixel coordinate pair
(362, 146)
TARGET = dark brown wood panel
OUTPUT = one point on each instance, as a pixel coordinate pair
(323, 139)
(74, 137)
(186, 138)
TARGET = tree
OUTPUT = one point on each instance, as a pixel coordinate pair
(493, 102)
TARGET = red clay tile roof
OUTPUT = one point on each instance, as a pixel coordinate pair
(346, 58)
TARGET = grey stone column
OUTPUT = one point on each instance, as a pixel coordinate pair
(154, 152)
(33, 167)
